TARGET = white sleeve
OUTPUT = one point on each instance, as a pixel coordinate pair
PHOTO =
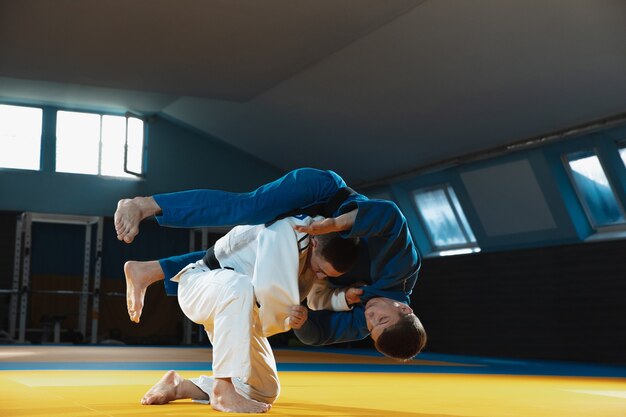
(275, 277)
(323, 297)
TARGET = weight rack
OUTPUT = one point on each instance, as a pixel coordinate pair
(20, 289)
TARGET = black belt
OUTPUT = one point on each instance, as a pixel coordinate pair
(210, 260)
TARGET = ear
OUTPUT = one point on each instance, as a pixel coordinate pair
(405, 309)
(313, 242)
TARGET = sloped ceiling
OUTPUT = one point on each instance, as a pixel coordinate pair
(369, 88)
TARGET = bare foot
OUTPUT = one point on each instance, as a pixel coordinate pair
(129, 213)
(139, 276)
(226, 399)
(172, 387)
(164, 391)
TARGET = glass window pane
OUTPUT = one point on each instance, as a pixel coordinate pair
(20, 137)
(113, 137)
(441, 223)
(78, 142)
(135, 145)
(594, 188)
(461, 214)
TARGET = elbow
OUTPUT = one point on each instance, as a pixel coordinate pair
(307, 337)
(393, 212)
(394, 220)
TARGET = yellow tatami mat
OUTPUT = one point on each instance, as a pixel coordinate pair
(399, 392)
(117, 393)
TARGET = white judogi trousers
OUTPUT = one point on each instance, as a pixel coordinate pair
(215, 299)
(269, 267)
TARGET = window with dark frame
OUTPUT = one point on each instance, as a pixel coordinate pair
(594, 189)
(97, 144)
(444, 220)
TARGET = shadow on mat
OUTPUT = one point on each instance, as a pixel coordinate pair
(189, 408)
(317, 410)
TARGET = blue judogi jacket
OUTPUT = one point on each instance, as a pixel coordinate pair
(388, 262)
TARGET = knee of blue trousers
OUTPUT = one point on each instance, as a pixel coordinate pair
(304, 175)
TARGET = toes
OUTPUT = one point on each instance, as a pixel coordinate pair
(121, 234)
(134, 316)
(126, 232)
(132, 231)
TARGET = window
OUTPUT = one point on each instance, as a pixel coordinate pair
(97, 144)
(594, 189)
(622, 152)
(20, 137)
(444, 220)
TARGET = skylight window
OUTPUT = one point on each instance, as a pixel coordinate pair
(594, 189)
(97, 144)
(444, 220)
(20, 137)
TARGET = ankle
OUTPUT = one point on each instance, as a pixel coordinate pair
(187, 389)
(147, 206)
(222, 386)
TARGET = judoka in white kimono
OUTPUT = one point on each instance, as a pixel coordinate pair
(265, 271)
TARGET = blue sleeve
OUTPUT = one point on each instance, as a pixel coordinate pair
(172, 266)
(202, 208)
(326, 327)
(395, 261)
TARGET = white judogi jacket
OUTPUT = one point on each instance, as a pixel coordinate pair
(276, 259)
(269, 269)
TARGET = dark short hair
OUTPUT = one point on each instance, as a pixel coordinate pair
(403, 340)
(340, 252)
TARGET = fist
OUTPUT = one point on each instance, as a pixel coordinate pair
(353, 295)
(298, 316)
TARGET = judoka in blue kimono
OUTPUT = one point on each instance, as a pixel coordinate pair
(386, 270)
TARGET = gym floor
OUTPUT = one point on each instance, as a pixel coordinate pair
(109, 381)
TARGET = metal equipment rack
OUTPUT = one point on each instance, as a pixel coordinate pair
(188, 327)
(20, 290)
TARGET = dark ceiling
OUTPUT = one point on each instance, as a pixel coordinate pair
(369, 88)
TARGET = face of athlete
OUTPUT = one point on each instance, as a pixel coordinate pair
(381, 313)
(320, 266)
